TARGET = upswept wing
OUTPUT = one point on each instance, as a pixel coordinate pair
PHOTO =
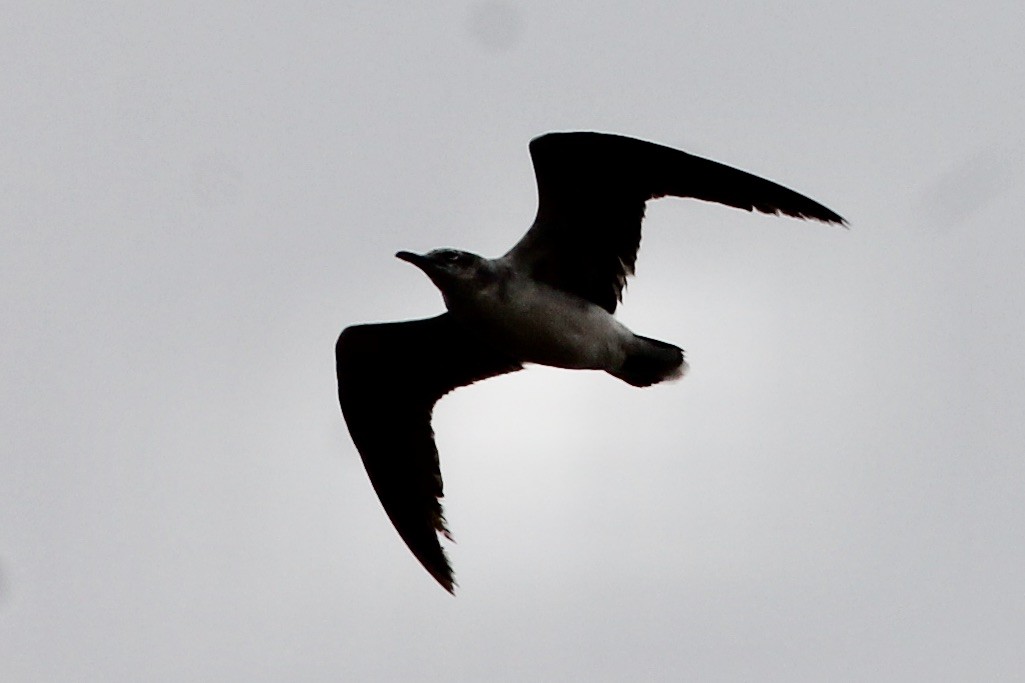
(591, 193)
(390, 375)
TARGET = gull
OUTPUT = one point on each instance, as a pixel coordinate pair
(550, 300)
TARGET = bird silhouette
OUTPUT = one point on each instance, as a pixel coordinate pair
(550, 300)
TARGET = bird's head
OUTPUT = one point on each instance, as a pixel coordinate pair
(452, 271)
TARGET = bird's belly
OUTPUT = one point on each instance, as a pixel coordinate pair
(549, 327)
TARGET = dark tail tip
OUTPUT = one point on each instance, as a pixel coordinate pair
(655, 361)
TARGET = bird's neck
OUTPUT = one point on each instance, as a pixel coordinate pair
(487, 291)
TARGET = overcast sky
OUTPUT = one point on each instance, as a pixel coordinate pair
(197, 197)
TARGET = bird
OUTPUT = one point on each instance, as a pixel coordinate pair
(550, 300)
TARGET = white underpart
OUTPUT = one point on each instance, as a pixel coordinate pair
(540, 324)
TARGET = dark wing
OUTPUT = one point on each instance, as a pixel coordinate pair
(389, 377)
(591, 193)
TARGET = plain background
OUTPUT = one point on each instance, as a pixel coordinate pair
(197, 197)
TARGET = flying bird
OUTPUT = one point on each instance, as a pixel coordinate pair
(549, 300)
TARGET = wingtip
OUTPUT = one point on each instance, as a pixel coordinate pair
(445, 576)
(446, 581)
(820, 214)
(835, 219)
(832, 217)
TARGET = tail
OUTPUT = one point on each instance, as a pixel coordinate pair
(650, 361)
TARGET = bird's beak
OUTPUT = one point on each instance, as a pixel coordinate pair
(418, 260)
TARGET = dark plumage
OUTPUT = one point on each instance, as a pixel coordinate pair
(549, 300)
(592, 188)
(390, 376)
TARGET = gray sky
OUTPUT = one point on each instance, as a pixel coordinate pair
(197, 197)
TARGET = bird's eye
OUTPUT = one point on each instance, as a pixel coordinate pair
(453, 257)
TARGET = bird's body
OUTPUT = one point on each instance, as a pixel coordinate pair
(550, 300)
(536, 323)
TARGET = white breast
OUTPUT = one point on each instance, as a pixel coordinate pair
(539, 324)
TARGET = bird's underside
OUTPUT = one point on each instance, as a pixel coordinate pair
(592, 188)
